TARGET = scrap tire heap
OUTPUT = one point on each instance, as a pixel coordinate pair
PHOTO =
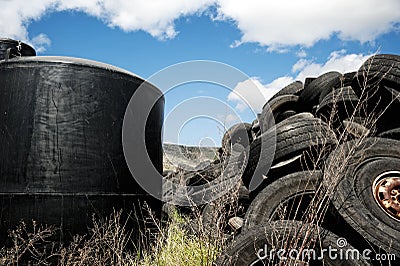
(335, 173)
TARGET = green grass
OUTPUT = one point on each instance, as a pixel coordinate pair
(177, 246)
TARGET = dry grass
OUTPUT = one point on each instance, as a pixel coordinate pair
(105, 244)
(109, 243)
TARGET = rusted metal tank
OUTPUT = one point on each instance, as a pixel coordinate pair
(61, 155)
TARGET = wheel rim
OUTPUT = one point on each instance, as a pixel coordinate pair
(386, 191)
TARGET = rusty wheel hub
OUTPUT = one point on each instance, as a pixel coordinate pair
(386, 191)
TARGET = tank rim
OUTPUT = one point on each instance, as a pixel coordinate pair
(77, 62)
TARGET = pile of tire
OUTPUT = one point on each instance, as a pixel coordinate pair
(334, 178)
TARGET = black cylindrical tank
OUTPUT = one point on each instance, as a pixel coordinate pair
(11, 48)
(61, 155)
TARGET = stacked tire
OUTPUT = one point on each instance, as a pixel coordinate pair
(333, 179)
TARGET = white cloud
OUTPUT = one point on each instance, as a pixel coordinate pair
(299, 65)
(248, 93)
(251, 93)
(277, 84)
(285, 23)
(228, 118)
(337, 61)
(301, 54)
(155, 17)
(275, 24)
(40, 42)
(15, 16)
(232, 119)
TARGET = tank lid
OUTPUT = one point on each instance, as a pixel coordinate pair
(10, 48)
(74, 61)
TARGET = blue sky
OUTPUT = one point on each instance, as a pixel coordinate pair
(273, 42)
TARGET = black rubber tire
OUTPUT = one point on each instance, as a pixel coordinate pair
(286, 235)
(203, 175)
(343, 94)
(273, 109)
(338, 105)
(350, 172)
(285, 115)
(348, 78)
(255, 128)
(309, 97)
(388, 109)
(296, 163)
(294, 136)
(237, 134)
(307, 81)
(377, 83)
(279, 195)
(345, 80)
(299, 116)
(293, 88)
(380, 69)
(391, 134)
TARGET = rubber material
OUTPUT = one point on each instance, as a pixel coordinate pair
(237, 134)
(285, 235)
(293, 88)
(309, 97)
(338, 105)
(276, 200)
(352, 196)
(345, 80)
(380, 69)
(293, 137)
(274, 108)
(391, 134)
